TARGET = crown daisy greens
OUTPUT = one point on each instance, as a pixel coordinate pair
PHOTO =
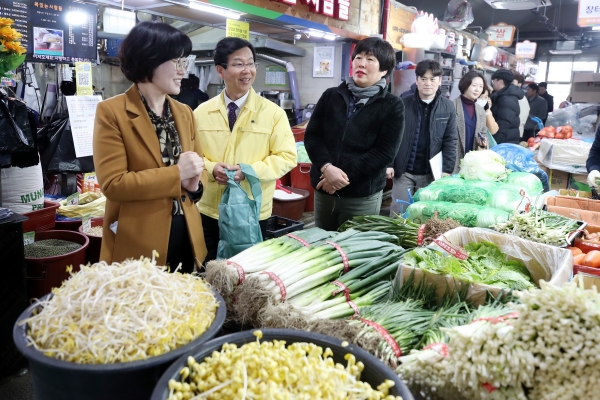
(12, 54)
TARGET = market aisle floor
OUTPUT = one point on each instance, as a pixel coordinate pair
(17, 387)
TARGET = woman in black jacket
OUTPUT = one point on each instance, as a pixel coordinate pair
(352, 136)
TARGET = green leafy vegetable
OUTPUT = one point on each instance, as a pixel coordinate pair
(486, 264)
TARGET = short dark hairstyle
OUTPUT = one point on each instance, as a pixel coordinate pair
(543, 84)
(519, 78)
(425, 65)
(229, 45)
(381, 49)
(467, 80)
(533, 87)
(504, 75)
(148, 45)
(191, 82)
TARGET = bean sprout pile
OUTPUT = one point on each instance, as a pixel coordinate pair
(121, 312)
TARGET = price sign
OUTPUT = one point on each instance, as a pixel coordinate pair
(501, 35)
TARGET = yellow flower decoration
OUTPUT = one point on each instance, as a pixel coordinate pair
(6, 21)
(6, 32)
(15, 47)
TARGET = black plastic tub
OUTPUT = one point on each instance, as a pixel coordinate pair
(61, 380)
(375, 371)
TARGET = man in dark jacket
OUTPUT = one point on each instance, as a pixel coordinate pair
(190, 94)
(537, 108)
(543, 87)
(430, 128)
(505, 107)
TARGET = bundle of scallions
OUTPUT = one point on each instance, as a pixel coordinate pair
(405, 230)
(360, 259)
(539, 226)
(225, 275)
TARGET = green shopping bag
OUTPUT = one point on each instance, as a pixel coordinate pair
(239, 215)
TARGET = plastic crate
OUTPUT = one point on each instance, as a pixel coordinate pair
(279, 226)
(41, 220)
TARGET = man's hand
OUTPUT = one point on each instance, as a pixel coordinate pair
(239, 175)
(389, 173)
(219, 173)
(593, 178)
(445, 174)
(335, 177)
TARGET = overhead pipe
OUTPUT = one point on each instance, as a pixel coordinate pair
(385, 17)
(292, 78)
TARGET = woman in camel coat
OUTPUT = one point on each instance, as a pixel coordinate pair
(148, 157)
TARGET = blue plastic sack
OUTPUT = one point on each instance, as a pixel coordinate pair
(520, 159)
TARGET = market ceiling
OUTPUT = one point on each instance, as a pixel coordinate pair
(562, 14)
(194, 21)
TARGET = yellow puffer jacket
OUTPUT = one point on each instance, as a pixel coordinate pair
(261, 137)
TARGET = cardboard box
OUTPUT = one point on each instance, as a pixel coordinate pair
(585, 88)
(550, 263)
(579, 182)
(577, 203)
(574, 193)
(558, 179)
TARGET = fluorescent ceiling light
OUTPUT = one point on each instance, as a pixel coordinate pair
(214, 10)
(329, 36)
(596, 28)
(565, 52)
(315, 33)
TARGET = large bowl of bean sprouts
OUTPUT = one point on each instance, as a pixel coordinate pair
(111, 330)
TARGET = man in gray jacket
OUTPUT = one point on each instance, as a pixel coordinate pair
(538, 107)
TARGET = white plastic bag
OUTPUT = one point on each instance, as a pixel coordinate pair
(459, 14)
(23, 189)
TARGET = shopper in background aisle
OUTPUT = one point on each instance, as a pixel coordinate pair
(352, 136)
(543, 92)
(147, 155)
(430, 128)
(537, 108)
(505, 107)
(470, 115)
(240, 127)
(485, 101)
(191, 94)
(519, 81)
(593, 162)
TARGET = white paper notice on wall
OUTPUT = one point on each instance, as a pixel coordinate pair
(82, 114)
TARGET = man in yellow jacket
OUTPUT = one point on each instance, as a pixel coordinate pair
(240, 127)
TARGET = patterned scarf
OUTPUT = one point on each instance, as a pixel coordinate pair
(170, 146)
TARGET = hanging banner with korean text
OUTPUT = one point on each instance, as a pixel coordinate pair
(238, 29)
(501, 35)
(338, 9)
(588, 13)
(526, 50)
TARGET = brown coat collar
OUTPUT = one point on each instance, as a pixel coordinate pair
(143, 126)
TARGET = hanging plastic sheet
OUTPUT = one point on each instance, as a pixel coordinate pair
(18, 142)
(57, 151)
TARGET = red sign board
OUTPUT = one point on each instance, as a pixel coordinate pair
(338, 9)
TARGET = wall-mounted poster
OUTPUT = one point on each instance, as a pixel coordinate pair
(323, 62)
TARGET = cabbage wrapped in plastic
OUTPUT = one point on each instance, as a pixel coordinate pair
(484, 165)
(531, 183)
